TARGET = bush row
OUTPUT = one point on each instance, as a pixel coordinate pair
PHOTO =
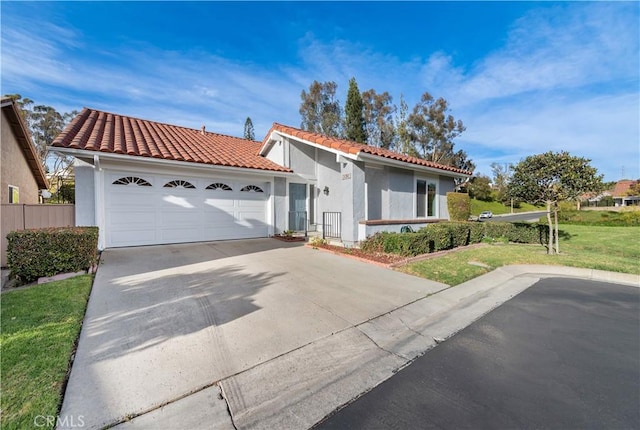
(448, 235)
(628, 218)
(46, 252)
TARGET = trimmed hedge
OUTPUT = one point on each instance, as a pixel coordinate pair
(448, 235)
(32, 254)
(628, 218)
(459, 205)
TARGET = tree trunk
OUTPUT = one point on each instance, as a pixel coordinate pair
(550, 223)
(557, 236)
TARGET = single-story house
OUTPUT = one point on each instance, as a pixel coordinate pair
(621, 193)
(22, 174)
(144, 182)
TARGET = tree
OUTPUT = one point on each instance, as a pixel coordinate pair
(480, 188)
(248, 129)
(404, 145)
(320, 110)
(634, 188)
(354, 114)
(432, 132)
(378, 118)
(550, 178)
(501, 175)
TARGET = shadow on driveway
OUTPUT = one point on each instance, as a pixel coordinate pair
(149, 313)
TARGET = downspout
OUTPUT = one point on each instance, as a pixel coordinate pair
(98, 199)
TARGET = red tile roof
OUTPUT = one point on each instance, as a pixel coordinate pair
(622, 188)
(94, 130)
(355, 148)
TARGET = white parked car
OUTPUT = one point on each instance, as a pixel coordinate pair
(486, 214)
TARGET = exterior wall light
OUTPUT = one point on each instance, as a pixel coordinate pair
(326, 191)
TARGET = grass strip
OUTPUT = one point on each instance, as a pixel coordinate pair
(615, 249)
(40, 325)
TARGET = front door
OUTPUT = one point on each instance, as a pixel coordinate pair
(297, 207)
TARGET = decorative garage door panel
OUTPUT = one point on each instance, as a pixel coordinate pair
(152, 209)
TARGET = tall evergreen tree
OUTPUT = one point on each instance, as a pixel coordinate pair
(354, 114)
(248, 129)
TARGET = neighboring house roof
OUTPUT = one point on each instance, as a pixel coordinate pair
(355, 148)
(21, 132)
(622, 187)
(103, 132)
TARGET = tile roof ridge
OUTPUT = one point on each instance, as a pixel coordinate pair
(130, 117)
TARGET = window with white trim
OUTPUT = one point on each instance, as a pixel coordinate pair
(179, 183)
(131, 180)
(219, 186)
(14, 194)
(252, 188)
(426, 199)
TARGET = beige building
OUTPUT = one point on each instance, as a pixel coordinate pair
(21, 173)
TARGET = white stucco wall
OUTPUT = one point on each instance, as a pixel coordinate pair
(353, 199)
(280, 205)
(328, 176)
(401, 194)
(446, 185)
(302, 158)
(276, 153)
(377, 179)
(85, 194)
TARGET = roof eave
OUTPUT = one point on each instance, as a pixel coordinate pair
(267, 143)
(317, 145)
(78, 153)
(24, 139)
(363, 156)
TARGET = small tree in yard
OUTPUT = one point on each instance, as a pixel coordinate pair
(552, 177)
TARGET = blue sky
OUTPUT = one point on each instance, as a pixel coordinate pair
(524, 77)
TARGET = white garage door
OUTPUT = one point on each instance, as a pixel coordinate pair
(153, 209)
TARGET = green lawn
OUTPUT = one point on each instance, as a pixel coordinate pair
(40, 325)
(615, 249)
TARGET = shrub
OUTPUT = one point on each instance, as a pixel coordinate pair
(439, 236)
(459, 232)
(398, 243)
(496, 230)
(318, 241)
(373, 243)
(599, 218)
(459, 205)
(476, 232)
(46, 252)
(523, 232)
(567, 206)
(447, 235)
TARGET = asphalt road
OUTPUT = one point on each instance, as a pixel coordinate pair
(531, 216)
(564, 354)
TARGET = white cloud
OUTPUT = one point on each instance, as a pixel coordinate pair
(552, 48)
(566, 78)
(604, 129)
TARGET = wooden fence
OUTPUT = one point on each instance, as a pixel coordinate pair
(20, 217)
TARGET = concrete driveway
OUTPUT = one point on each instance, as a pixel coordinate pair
(177, 336)
(260, 333)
